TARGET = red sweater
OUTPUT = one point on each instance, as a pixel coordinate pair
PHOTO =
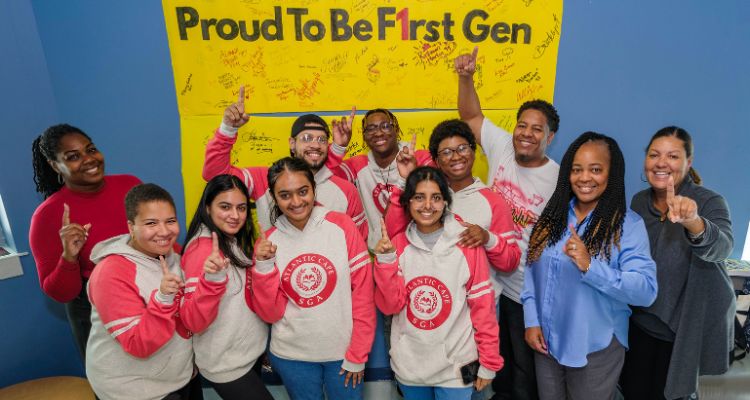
(104, 210)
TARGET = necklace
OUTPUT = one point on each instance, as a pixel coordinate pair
(385, 176)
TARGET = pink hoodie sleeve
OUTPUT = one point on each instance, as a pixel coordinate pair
(218, 161)
(395, 217)
(363, 307)
(354, 208)
(267, 296)
(481, 300)
(347, 169)
(141, 329)
(504, 253)
(200, 305)
(390, 287)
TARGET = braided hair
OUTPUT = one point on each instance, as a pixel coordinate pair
(43, 150)
(605, 225)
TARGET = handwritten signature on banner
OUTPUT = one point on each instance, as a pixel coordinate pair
(307, 55)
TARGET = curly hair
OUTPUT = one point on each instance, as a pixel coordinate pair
(549, 111)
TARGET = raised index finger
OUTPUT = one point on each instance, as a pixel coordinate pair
(164, 267)
(383, 230)
(474, 53)
(573, 232)
(214, 243)
(66, 214)
(670, 191)
(413, 143)
(241, 97)
(353, 113)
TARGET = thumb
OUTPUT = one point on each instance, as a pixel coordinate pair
(464, 224)
(474, 53)
(87, 227)
(164, 267)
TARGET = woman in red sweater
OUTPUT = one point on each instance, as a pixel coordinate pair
(82, 207)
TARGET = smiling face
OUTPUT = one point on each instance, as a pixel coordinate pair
(664, 158)
(589, 174)
(531, 137)
(228, 211)
(295, 196)
(381, 134)
(79, 162)
(455, 158)
(310, 145)
(426, 206)
(154, 228)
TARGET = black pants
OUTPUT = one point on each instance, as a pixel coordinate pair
(249, 386)
(517, 379)
(191, 391)
(644, 374)
(79, 318)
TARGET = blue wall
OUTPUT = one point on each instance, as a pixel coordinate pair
(622, 70)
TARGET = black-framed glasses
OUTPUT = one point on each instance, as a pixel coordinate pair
(385, 127)
(309, 138)
(462, 150)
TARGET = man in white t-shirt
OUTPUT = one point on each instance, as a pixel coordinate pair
(521, 172)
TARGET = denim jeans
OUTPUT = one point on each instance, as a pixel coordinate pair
(435, 392)
(307, 380)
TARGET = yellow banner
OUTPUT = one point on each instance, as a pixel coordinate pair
(318, 55)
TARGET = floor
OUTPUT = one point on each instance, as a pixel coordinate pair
(734, 385)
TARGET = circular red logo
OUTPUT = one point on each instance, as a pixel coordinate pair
(380, 196)
(309, 279)
(430, 302)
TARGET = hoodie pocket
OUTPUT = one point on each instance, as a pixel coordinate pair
(419, 362)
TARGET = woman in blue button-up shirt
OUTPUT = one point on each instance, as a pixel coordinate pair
(588, 260)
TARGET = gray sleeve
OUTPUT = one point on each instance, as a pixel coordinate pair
(717, 241)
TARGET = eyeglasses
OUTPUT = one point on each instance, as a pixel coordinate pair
(309, 138)
(462, 150)
(385, 127)
(419, 199)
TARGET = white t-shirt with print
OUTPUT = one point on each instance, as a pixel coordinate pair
(526, 190)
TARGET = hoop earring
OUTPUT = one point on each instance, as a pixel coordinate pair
(643, 178)
(60, 179)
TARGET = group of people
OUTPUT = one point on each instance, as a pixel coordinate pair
(540, 283)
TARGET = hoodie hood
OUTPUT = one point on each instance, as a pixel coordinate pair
(469, 190)
(119, 245)
(317, 216)
(449, 239)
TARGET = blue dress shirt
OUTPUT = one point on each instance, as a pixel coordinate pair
(579, 312)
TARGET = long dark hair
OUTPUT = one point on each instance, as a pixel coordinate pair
(43, 150)
(421, 174)
(214, 187)
(605, 225)
(687, 142)
(288, 164)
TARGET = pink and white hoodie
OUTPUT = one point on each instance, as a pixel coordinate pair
(443, 306)
(228, 336)
(318, 291)
(373, 183)
(138, 347)
(478, 205)
(331, 191)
